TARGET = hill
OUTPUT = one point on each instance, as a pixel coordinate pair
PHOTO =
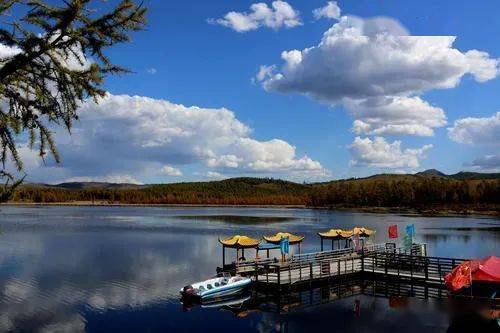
(431, 190)
(432, 172)
(94, 185)
(234, 191)
(460, 175)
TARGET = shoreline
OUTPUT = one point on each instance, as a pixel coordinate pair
(410, 212)
(109, 204)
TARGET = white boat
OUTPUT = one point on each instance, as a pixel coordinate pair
(217, 287)
(225, 301)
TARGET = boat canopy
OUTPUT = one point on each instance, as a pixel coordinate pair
(275, 239)
(336, 234)
(363, 232)
(240, 242)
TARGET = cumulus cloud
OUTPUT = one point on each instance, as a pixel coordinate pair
(361, 62)
(359, 58)
(331, 11)
(279, 15)
(395, 115)
(143, 137)
(476, 131)
(171, 171)
(381, 154)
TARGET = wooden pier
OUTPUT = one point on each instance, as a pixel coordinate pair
(380, 261)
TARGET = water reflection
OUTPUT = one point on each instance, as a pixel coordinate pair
(120, 268)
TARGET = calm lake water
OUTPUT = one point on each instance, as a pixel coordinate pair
(119, 269)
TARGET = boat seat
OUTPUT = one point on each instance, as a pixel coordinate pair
(216, 284)
(223, 283)
(209, 286)
(201, 288)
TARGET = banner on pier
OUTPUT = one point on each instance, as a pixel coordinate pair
(393, 231)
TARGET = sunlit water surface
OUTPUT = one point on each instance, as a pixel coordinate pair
(119, 269)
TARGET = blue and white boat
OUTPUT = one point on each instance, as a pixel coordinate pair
(217, 287)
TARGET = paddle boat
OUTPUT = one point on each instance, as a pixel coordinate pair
(224, 285)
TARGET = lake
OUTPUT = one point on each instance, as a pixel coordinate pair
(119, 269)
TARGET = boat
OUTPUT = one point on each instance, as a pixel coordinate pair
(228, 301)
(224, 285)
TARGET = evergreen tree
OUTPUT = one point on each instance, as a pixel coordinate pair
(56, 60)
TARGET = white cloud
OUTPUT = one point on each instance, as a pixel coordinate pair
(359, 61)
(395, 115)
(331, 11)
(381, 154)
(489, 163)
(261, 15)
(141, 136)
(264, 72)
(7, 52)
(112, 178)
(476, 131)
(171, 171)
(152, 70)
(214, 175)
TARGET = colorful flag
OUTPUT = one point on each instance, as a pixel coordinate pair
(407, 243)
(393, 231)
(410, 230)
(284, 245)
(356, 242)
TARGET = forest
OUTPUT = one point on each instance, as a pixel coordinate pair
(420, 191)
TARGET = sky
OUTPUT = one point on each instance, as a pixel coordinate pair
(300, 90)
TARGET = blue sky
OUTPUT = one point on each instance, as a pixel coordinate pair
(183, 59)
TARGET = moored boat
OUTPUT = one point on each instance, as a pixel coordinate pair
(216, 287)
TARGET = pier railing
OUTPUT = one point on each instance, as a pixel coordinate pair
(378, 259)
(410, 266)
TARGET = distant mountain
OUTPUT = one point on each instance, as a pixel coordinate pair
(265, 183)
(475, 175)
(432, 172)
(95, 185)
(462, 175)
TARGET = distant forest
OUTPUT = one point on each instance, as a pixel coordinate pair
(425, 191)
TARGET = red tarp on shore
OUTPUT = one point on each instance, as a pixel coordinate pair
(487, 270)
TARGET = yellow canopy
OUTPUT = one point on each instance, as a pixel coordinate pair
(275, 239)
(336, 234)
(239, 241)
(363, 232)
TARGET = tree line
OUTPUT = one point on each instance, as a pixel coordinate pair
(408, 191)
(382, 191)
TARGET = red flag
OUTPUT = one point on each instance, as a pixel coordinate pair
(393, 231)
(459, 277)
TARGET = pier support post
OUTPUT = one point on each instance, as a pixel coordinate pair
(223, 256)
